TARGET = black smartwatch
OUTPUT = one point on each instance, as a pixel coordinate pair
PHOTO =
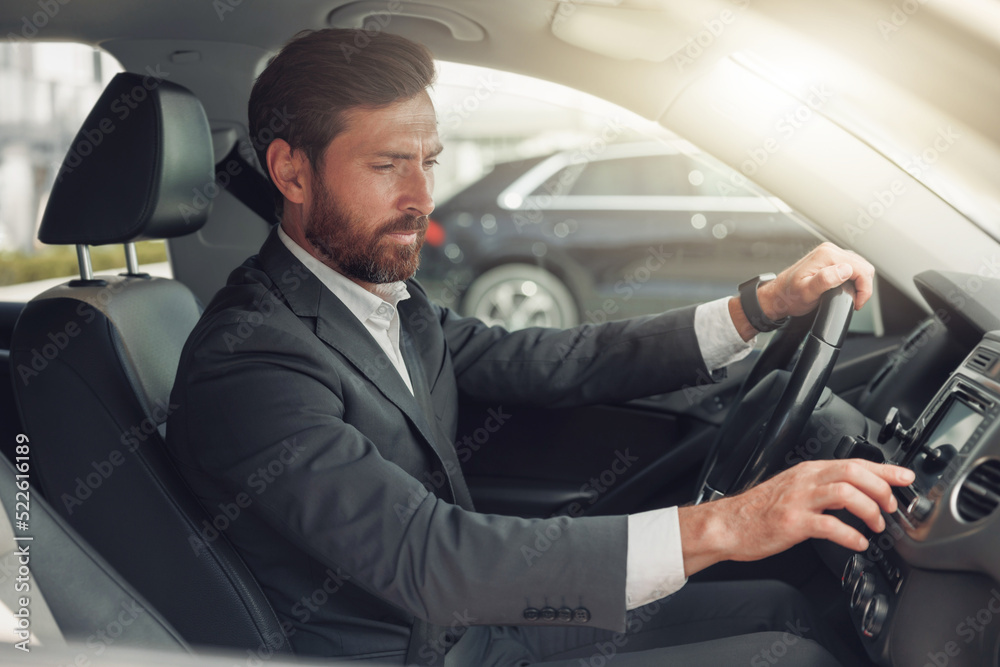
(751, 305)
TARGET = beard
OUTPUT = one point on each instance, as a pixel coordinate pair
(364, 255)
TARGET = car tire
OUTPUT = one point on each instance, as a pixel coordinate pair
(516, 296)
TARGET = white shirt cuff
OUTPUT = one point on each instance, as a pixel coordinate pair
(718, 339)
(654, 567)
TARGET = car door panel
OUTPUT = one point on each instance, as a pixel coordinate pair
(624, 458)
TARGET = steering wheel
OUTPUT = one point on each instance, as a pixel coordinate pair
(772, 406)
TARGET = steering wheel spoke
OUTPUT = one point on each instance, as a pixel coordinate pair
(773, 405)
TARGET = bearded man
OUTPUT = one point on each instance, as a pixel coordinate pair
(323, 364)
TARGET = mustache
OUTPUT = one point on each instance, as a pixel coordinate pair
(406, 223)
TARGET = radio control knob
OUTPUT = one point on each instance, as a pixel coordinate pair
(855, 566)
(919, 508)
(874, 617)
(863, 590)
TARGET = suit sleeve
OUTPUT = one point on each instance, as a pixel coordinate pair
(341, 501)
(591, 363)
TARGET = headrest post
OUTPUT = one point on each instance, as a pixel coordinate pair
(83, 259)
(131, 260)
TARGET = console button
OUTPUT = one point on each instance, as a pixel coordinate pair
(874, 617)
(855, 566)
(919, 508)
(864, 588)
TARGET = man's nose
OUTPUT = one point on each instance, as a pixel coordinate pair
(418, 196)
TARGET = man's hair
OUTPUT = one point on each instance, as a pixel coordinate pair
(303, 93)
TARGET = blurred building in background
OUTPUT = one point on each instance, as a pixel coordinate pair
(49, 89)
(485, 117)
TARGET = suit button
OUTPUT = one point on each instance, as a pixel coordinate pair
(581, 615)
(548, 614)
(531, 614)
(565, 614)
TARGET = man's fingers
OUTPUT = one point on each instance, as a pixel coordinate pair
(871, 478)
(831, 528)
(843, 495)
(839, 266)
(893, 474)
(864, 282)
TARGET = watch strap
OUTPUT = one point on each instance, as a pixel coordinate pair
(751, 304)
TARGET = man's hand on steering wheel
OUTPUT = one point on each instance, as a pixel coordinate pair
(797, 289)
(789, 508)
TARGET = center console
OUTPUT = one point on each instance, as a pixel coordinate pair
(954, 451)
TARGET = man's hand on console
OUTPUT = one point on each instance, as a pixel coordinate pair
(789, 508)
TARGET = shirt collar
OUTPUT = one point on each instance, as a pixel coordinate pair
(379, 309)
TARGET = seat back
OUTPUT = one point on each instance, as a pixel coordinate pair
(93, 362)
(84, 595)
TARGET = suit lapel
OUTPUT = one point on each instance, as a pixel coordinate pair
(441, 443)
(337, 326)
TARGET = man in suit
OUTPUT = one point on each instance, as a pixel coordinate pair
(318, 394)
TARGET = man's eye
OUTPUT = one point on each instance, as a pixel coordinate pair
(430, 163)
(382, 167)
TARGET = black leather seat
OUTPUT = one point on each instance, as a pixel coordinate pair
(94, 360)
(82, 592)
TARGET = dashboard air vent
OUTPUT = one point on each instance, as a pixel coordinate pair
(980, 492)
(981, 359)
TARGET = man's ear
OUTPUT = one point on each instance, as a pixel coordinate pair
(288, 169)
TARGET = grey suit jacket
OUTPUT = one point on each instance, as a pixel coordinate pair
(342, 490)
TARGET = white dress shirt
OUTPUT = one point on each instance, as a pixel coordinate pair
(654, 565)
(376, 312)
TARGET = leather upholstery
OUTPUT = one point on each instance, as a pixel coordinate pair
(83, 592)
(93, 365)
(135, 169)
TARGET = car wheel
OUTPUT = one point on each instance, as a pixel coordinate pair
(516, 296)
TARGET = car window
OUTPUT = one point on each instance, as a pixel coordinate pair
(556, 208)
(49, 88)
(647, 175)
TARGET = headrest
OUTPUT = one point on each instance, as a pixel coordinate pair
(137, 169)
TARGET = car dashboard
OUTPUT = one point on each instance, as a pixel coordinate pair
(925, 592)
